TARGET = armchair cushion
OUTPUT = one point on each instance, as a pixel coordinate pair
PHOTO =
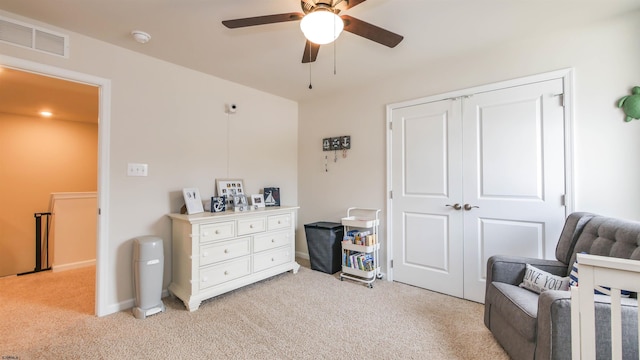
(518, 305)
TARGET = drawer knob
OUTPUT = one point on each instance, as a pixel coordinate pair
(273, 259)
(273, 240)
(217, 232)
(251, 226)
(279, 222)
(226, 251)
(226, 272)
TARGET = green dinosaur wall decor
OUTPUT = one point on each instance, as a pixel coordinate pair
(630, 104)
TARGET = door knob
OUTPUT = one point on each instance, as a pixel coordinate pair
(455, 206)
(469, 207)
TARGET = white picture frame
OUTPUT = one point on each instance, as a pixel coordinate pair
(240, 202)
(192, 200)
(257, 201)
(229, 188)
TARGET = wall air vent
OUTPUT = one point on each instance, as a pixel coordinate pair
(33, 37)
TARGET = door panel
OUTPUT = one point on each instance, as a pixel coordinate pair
(430, 252)
(514, 173)
(501, 153)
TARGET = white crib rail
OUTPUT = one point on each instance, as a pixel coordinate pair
(605, 271)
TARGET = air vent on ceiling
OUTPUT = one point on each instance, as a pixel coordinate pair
(33, 37)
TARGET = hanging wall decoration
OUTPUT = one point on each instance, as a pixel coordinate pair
(630, 104)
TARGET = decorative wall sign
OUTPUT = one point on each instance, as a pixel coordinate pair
(345, 142)
(336, 143)
(326, 144)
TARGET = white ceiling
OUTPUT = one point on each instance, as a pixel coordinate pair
(268, 57)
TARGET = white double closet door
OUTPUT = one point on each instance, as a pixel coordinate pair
(474, 176)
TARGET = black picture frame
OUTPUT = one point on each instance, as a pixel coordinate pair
(271, 196)
(218, 204)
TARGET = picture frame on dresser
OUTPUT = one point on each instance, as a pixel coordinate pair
(229, 188)
(192, 200)
(271, 196)
(218, 203)
(257, 201)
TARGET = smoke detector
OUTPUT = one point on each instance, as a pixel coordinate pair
(141, 36)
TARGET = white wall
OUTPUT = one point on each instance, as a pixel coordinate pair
(605, 58)
(173, 119)
(73, 230)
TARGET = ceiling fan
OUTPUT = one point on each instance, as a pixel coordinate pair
(339, 22)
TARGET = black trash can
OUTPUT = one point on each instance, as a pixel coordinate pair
(323, 242)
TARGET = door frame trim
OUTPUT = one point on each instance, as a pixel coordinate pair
(567, 77)
(104, 121)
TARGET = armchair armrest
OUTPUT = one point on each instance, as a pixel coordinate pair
(553, 340)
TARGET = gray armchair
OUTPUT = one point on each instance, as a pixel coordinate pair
(538, 326)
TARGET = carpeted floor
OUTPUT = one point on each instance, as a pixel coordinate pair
(309, 315)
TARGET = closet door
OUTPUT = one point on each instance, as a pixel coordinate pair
(426, 186)
(513, 148)
(472, 177)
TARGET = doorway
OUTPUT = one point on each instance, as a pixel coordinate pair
(104, 104)
(477, 173)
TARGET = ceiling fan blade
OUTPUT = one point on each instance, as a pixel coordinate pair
(371, 32)
(352, 3)
(262, 20)
(310, 52)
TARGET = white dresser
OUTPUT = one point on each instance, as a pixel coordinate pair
(214, 253)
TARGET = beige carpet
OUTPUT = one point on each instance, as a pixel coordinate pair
(310, 315)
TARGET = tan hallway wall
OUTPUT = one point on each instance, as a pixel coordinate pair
(37, 157)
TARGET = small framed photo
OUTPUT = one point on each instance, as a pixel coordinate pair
(218, 203)
(271, 196)
(192, 200)
(229, 188)
(240, 202)
(257, 201)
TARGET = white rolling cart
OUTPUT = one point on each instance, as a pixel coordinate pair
(361, 246)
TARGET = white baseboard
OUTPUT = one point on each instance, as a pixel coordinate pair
(75, 265)
(302, 255)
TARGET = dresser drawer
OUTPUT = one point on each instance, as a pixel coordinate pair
(279, 221)
(271, 241)
(217, 274)
(265, 260)
(251, 225)
(225, 250)
(217, 231)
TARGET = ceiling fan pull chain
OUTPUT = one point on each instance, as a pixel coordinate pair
(334, 58)
(334, 45)
(310, 86)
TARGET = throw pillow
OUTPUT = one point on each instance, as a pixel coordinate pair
(538, 280)
(599, 290)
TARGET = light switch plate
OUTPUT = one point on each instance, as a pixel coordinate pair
(134, 169)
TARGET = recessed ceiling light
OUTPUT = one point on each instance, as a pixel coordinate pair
(46, 113)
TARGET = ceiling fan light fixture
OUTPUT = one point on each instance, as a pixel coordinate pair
(321, 26)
